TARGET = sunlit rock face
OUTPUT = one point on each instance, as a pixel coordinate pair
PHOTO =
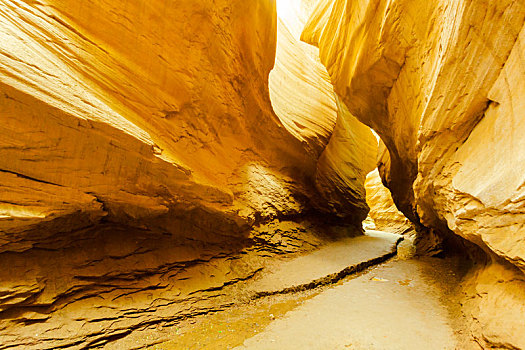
(300, 89)
(304, 100)
(343, 166)
(140, 153)
(383, 211)
(152, 112)
(442, 83)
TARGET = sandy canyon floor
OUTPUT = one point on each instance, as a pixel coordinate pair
(352, 294)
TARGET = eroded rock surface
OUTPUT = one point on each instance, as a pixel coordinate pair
(140, 155)
(442, 83)
(128, 109)
(114, 284)
(304, 100)
(161, 114)
(145, 153)
(433, 99)
(383, 211)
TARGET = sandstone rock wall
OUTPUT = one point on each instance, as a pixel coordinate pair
(300, 89)
(139, 147)
(442, 84)
(383, 211)
(434, 86)
(159, 114)
(346, 160)
(304, 100)
(143, 107)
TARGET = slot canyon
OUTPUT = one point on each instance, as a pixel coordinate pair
(262, 174)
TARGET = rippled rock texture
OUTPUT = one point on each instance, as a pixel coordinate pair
(154, 112)
(443, 84)
(383, 212)
(141, 153)
(155, 115)
(304, 100)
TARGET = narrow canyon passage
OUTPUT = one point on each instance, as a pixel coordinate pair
(263, 174)
(368, 298)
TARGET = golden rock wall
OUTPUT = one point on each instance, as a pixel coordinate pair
(304, 100)
(442, 83)
(158, 112)
(383, 211)
(152, 111)
(140, 152)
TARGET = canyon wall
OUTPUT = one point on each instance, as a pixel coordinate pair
(383, 212)
(141, 159)
(304, 100)
(152, 112)
(442, 83)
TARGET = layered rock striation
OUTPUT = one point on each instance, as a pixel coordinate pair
(156, 112)
(130, 110)
(442, 84)
(383, 212)
(304, 100)
(141, 153)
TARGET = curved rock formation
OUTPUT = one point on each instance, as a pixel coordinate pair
(141, 155)
(300, 88)
(383, 211)
(152, 162)
(304, 100)
(442, 83)
(346, 160)
(155, 122)
(126, 111)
